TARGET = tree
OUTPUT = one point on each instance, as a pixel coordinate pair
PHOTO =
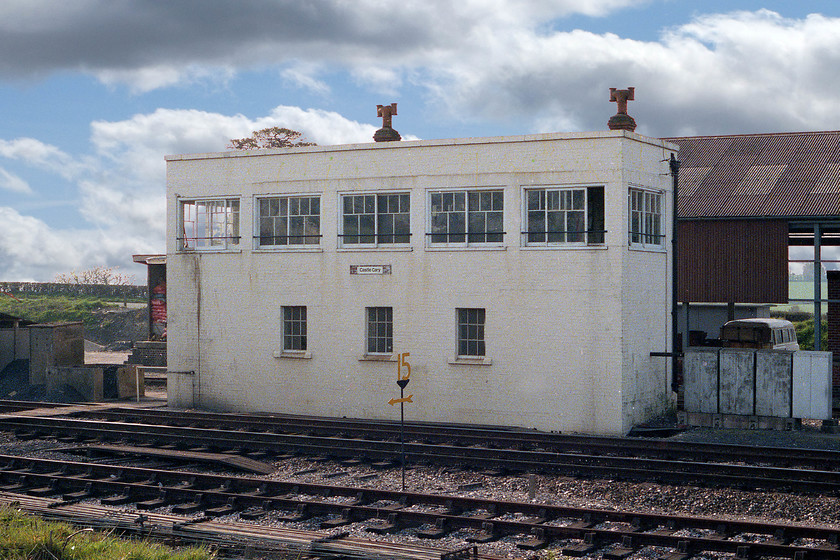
(106, 275)
(274, 137)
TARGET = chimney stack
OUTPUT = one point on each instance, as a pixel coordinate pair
(386, 133)
(621, 120)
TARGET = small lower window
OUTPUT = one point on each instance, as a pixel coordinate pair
(471, 332)
(380, 330)
(294, 327)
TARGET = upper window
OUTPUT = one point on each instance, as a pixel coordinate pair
(375, 219)
(209, 224)
(380, 330)
(573, 215)
(289, 221)
(466, 217)
(645, 218)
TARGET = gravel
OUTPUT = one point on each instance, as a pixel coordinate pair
(723, 503)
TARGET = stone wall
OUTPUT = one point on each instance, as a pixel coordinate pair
(52, 288)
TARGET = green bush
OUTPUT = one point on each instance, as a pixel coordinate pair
(805, 334)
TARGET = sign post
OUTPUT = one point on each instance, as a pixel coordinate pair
(402, 381)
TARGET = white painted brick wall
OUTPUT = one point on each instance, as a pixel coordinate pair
(569, 331)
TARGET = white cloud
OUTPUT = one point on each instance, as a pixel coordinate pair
(31, 250)
(303, 76)
(739, 72)
(121, 186)
(44, 156)
(11, 182)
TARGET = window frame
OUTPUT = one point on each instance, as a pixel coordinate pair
(590, 237)
(377, 234)
(232, 224)
(432, 243)
(291, 340)
(648, 216)
(462, 319)
(289, 246)
(374, 317)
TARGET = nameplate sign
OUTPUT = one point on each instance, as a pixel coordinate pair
(370, 269)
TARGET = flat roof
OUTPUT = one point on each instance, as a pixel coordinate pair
(402, 144)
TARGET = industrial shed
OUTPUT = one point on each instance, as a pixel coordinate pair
(748, 206)
(527, 277)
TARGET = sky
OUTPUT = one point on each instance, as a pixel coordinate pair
(94, 93)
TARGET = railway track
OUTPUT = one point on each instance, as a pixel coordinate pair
(484, 436)
(488, 456)
(577, 531)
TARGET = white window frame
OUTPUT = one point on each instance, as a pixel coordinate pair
(480, 339)
(311, 241)
(375, 337)
(377, 225)
(645, 220)
(587, 234)
(289, 324)
(228, 221)
(432, 241)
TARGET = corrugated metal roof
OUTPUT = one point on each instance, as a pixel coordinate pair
(756, 175)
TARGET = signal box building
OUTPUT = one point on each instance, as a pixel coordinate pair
(526, 278)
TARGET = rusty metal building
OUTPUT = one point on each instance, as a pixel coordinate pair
(744, 201)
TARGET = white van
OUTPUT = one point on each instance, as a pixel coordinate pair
(774, 334)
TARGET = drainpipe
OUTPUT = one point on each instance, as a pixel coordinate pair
(675, 173)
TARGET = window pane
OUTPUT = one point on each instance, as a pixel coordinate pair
(576, 224)
(495, 227)
(595, 214)
(536, 225)
(536, 201)
(459, 200)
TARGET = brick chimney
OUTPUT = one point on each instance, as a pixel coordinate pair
(621, 120)
(386, 133)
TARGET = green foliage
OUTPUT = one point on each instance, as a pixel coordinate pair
(47, 309)
(24, 537)
(805, 334)
(274, 137)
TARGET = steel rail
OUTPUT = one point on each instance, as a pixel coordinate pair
(574, 464)
(213, 495)
(495, 436)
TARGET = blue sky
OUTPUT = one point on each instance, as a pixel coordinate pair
(95, 92)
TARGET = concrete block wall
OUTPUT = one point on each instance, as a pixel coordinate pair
(761, 383)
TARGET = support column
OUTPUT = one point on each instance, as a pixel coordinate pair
(817, 287)
(833, 320)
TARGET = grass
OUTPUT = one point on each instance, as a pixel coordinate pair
(50, 308)
(24, 537)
